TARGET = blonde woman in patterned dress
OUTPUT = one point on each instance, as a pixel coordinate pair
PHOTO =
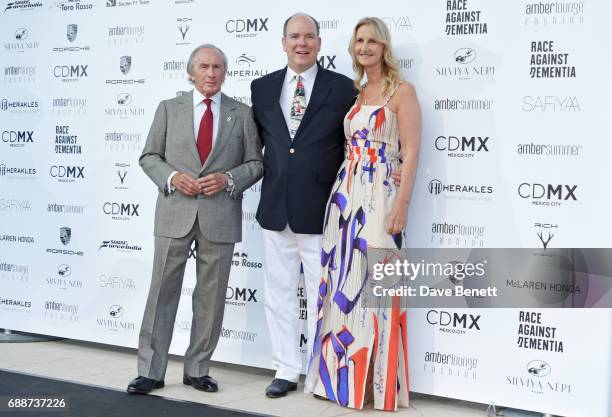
(360, 353)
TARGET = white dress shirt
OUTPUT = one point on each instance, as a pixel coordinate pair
(288, 90)
(199, 107)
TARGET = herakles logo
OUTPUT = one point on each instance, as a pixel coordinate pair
(19, 106)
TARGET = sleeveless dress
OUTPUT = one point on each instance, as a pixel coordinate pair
(353, 341)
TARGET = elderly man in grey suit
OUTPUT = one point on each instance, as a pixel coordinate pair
(202, 151)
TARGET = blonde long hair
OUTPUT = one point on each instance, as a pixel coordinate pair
(390, 67)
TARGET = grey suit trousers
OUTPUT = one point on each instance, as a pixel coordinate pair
(212, 273)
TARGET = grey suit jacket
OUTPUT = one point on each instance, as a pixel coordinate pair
(171, 146)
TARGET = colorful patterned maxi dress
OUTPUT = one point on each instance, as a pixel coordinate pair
(350, 336)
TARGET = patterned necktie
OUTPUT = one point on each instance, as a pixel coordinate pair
(204, 143)
(298, 106)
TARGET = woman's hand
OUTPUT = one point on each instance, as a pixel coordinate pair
(396, 221)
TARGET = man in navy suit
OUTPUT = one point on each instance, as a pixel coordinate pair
(299, 112)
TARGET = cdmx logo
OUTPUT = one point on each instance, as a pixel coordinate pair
(327, 61)
(121, 209)
(182, 23)
(244, 59)
(465, 55)
(545, 232)
(455, 320)
(240, 294)
(463, 143)
(64, 71)
(60, 171)
(249, 25)
(548, 191)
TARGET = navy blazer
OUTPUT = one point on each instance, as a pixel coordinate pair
(299, 174)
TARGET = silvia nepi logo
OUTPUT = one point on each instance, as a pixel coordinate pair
(125, 64)
(65, 235)
(465, 55)
(115, 311)
(124, 99)
(71, 32)
(64, 270)
(21, 34)
(538, 368)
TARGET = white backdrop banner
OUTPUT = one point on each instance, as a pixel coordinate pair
(515, 152)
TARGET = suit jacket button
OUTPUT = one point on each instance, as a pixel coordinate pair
(291, 150)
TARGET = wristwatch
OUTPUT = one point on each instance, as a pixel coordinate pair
(230, 182)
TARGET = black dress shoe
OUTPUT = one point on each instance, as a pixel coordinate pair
(279, 388)
(201, 383)
(142, 385)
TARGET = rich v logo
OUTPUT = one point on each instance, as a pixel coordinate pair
(122, 175)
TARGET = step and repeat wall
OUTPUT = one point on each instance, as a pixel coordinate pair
(515, 153)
